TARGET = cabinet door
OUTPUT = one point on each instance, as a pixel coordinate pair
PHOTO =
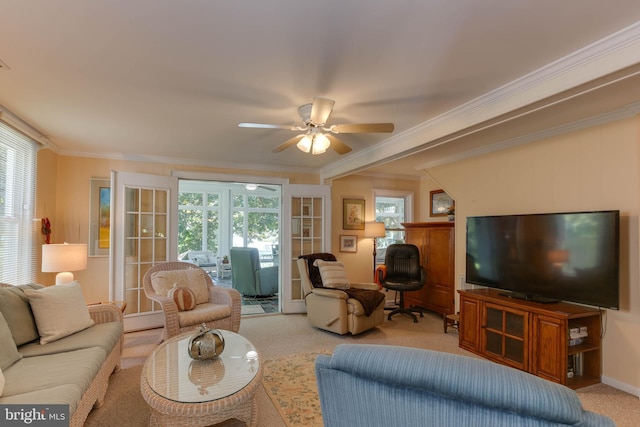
(505, 335)
(439, 293)
(418, 237)
(549, 354)
(469, 324)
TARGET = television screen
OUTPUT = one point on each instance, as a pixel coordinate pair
(547, 257)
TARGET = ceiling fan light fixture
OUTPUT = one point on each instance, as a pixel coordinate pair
(250, 187)
(305, 143)
(320, 144)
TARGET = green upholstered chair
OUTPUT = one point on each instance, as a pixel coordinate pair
(248, 277)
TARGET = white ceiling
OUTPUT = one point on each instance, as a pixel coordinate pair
(169, 80)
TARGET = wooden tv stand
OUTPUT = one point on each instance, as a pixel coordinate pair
(531, 336)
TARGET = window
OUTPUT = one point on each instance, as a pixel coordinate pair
(393, 208)
(214, 216)
(18, 229)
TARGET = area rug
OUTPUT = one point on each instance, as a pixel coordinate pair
(290, 383)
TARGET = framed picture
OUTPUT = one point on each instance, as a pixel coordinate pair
(440, 203)
(306, 210)
(100, 214)
(348, 243)
(306, 232)
(353, 214)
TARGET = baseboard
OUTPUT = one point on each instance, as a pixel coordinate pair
(634, 391)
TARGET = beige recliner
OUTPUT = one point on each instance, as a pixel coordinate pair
(333, 309)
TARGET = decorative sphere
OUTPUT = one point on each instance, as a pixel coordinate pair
(206, 343)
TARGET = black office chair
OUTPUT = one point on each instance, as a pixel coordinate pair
(403, 274)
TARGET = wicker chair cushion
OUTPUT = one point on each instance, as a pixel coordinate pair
(163, 281)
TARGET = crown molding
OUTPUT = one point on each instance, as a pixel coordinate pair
(611, 116)
(191, 162)
(607, 56)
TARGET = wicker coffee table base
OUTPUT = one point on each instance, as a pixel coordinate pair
(240, 405)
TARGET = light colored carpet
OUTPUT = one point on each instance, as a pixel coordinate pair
(279, 335)
(251, 309)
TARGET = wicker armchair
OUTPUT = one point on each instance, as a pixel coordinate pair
(221, 312)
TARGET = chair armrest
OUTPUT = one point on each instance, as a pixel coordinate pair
(230, 297)
(104, 313)
(371, 286)
(331, 293)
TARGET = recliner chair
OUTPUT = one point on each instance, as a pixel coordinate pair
(403, 274)
(248, 277)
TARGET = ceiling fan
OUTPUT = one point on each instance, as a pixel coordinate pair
(317, 136)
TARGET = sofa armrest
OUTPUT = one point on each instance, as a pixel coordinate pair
(330, 293)
(103, 313)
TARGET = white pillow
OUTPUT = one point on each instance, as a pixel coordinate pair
(59, 311)
(193, 278)
(1, 382)
(332, 274)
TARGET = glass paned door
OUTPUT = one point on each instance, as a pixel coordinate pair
(144, 209)
(307, 231)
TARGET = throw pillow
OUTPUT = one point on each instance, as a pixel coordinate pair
(200, 259)
(184, 297)
(59, 311)
(15, 307)
(314, 273)
(193, 278)
(333, 274)
(8, 350)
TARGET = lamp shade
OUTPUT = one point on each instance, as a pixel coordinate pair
(64, 258)
(374, 229)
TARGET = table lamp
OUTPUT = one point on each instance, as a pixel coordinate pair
(373, 230)
(63, 259)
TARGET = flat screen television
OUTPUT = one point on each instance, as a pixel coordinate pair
(549, 257)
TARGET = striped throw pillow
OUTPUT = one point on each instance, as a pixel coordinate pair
(184, 297)
(333, 274)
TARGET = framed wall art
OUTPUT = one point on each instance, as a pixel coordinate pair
(440, 203)
(353, 214)
(348, 243)
(100, 217)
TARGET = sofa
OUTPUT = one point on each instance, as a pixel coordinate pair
(54, 349)
(376, 385)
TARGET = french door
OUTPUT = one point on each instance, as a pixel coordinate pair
(144, 233)
(306, 229)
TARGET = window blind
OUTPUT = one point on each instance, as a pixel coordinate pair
(18, 229)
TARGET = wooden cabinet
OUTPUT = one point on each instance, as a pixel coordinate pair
(435, 240)
(531, 336)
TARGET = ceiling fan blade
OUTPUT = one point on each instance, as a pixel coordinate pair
(264, 187)
(265, 126)
(288, 143)
(320, 110)
(338, 146)
(362, 128)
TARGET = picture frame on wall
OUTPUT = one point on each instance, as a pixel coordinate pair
(440, 203)
(348, 243)
(99, 221)
(353, 214)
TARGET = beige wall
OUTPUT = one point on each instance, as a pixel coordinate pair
(591, 169)
(359, 265)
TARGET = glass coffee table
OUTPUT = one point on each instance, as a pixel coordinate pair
(182, 391)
